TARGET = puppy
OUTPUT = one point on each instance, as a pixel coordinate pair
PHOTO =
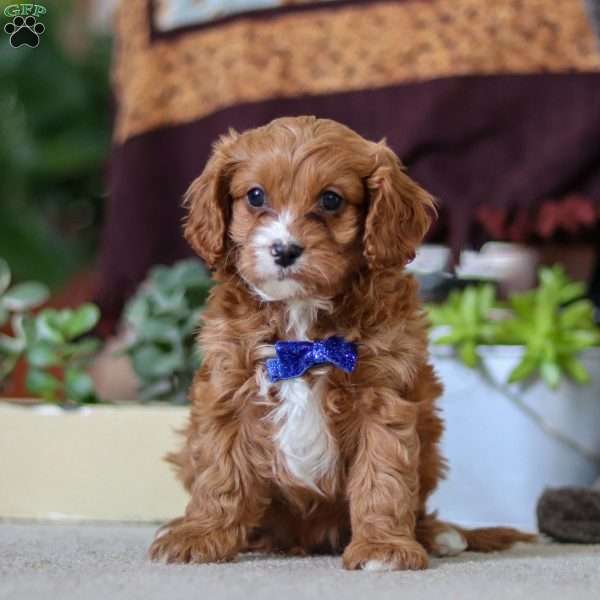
(312, 447)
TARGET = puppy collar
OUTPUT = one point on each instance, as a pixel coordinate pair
(295, 358)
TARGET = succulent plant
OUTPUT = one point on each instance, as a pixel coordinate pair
(160, 323)
(58, 351)
(15, 302)
(553, 322)
(465, 319)
(49, 341)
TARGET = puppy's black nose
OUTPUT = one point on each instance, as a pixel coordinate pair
(285, 254)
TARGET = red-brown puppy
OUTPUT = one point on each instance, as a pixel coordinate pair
(308, 227)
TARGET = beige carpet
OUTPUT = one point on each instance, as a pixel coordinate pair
(88, 562)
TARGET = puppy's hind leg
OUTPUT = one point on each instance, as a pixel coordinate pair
(446, 539)
(439, 538)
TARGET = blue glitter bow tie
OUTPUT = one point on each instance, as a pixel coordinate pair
(295, 358)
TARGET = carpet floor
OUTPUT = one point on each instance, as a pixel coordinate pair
(88, 562)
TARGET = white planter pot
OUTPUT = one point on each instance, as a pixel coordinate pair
(101, 462)
(505, 444)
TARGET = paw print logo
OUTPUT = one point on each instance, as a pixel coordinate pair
(24, 32)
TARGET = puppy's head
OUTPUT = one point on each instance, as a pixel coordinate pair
(298, 206)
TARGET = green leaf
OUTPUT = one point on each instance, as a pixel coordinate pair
(42, 354)
(79, 386)
(3, 315)
(22, 326)
(4, 276)
(137, 311)
(552, 277)
(448, 340)
(82, 349)
(550, 373)
(169, 301)
(579, 339)
(188, 273)
(47, 328)
(191, 324)
(7, 364)
(43, 384)
(575, 370)
(438, 315)
(523, 304)
(486, 299)
(523, 370)
(81, 321)
(578, 313)
(571, 291)
(160, 330)
(25, 296)
(197, 296)
(469, 304)
(151, 362)
(11, 345)
(468, 354)
(60, 319)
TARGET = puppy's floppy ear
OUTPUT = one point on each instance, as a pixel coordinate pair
(400, 212)
(208, 204)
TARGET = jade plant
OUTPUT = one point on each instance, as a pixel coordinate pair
(553, 322)
(51, 342)
(15, 303)
(58, 352)
(160, 323)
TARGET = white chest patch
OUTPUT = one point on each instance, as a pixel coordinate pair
(302, 436)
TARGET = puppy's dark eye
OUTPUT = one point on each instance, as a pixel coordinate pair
(330, 201)
(256, 197)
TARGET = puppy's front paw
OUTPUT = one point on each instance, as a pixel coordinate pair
(373, 556)
(182, 542)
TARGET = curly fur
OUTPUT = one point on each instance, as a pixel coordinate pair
(332, 462)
